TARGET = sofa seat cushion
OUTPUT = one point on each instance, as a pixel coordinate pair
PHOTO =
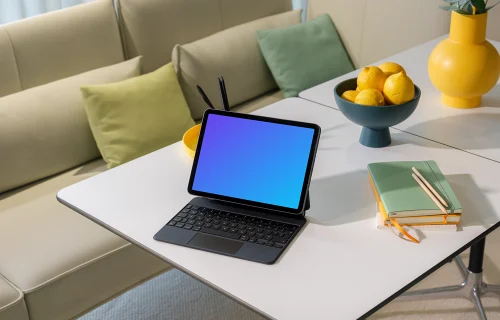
(63, 262)
(12, 306)
(259, 102)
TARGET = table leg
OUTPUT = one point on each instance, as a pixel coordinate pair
(472, 288)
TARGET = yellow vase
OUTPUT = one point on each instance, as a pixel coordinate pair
(465, 66)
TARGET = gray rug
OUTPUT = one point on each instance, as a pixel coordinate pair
(171, 296)
(174, 295)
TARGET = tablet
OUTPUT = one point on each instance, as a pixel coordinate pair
(255, 161)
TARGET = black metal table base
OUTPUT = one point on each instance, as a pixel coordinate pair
(472, 288)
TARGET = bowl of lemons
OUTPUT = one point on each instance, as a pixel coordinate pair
(380, 97)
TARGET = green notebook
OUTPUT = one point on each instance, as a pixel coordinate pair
(403, 197)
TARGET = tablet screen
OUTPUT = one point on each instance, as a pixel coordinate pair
(252, 161)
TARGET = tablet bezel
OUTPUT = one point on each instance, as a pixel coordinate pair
(307, 175)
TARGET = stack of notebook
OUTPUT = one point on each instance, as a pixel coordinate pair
(413, 193)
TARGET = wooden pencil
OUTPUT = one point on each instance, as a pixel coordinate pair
(429, 193)
(430, 186)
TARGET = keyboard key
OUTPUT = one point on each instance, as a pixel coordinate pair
(182, 215)
(290, 227)
(242, 232)
(244, 238)
(260, 230)
(188, 226)
(207, 219)
(195, 228)
(199, 223)
(207, 225)
(225, 229)
(243, 222)
(195, 212)
(252, 239)
(275, 233)
(202, 214)
(269, 244)
(259, 236)
(184, 220)
(242, 227)
(220, 233)
(280, 240)
(200, 218)
(251, 234)
(189, 206)
(287, 235)
(191, 222)
(216, 222)
(191, 216)
(269, 237)
(250, 228)
(216, 227)
(234, 225)
(268, 232)
(210, 215)
(177, 219)
(225, 223)
(196, 207)
(179, 224)
(233, 230)
(185, 210)
(269, 228)
(261, 242)
(172, 223)
(225, 219)
(279, 245)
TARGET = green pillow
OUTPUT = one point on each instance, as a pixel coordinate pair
(136, 116)
(304, 55)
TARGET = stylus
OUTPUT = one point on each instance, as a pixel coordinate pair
(204, 96)
(223, 94)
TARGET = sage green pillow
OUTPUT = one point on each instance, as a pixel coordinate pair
(136, 116)
(304, 55)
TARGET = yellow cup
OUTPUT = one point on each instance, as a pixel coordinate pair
(190, 140)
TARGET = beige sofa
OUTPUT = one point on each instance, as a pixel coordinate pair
(55, 264)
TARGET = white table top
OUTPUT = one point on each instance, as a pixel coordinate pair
(475, 130)
(340, 266)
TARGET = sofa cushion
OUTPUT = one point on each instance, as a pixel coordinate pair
(234, 54)
(63, 262)
(9, 77)
(66, 42)
(152, 28)
(304, 55)
(137, 116)
(259, 102)
(45, 130)
(12, 306)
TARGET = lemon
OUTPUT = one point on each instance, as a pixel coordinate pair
(391, 68)
(371, 78)
(370, 97)
(399, 89)
(357, 89)
(350, 95)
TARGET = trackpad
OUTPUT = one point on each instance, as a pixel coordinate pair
(212, 243)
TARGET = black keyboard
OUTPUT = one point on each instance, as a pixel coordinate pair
(234, 226)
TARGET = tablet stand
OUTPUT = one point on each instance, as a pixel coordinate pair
(307, 205)
(472, 288)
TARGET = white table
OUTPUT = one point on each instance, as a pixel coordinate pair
(475, 130)
(340, 266)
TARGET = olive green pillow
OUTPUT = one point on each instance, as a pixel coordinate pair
(304, 55)
(134, 117)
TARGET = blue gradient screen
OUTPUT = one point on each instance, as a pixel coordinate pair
(253, 160)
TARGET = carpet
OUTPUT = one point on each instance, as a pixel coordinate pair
(176, 296)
